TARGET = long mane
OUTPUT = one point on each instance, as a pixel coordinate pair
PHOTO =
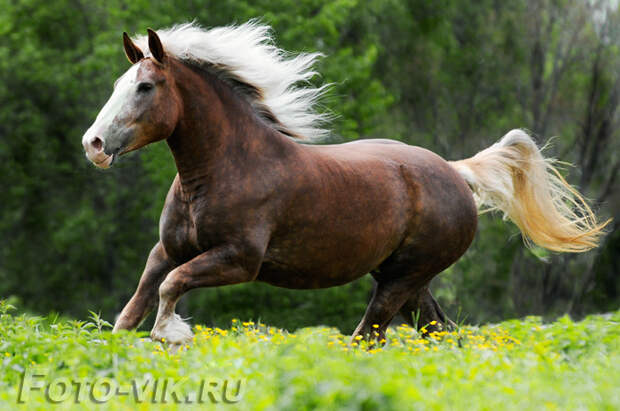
(274, 81)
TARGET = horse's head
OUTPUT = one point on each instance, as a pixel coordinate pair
(144, 106)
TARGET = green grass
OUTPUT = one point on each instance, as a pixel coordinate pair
(518, 364)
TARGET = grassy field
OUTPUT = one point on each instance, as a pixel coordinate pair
(519, 364)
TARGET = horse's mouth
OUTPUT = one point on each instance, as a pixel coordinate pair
(106, 162)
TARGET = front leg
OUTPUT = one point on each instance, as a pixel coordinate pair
(224, 265)
(145, 298)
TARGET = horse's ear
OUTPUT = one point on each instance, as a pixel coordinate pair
(134, 54)
(157, 50)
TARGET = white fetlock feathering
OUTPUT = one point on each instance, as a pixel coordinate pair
(173, 330)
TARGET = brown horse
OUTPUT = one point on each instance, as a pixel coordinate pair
(250, 203)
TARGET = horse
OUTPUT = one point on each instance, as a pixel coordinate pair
(253, 202)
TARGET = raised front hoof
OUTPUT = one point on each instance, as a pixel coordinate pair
(174, 331)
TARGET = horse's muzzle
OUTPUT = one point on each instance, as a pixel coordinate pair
(94, 149)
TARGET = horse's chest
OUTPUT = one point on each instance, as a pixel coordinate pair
(178, 234)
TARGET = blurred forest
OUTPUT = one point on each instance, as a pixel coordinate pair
(449, 75)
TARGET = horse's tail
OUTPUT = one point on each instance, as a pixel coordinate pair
(513, 176)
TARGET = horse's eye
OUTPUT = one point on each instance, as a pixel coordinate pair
(144, 87)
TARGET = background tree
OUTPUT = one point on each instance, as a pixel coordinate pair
(449, 75)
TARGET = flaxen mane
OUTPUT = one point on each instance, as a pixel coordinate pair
(274, 81)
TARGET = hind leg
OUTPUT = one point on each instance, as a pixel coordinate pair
(421, 309)
(387, 299)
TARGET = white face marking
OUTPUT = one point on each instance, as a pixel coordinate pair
(120, 95)
(125, 85)
(94, 139)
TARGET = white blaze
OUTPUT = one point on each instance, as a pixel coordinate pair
(123, 90)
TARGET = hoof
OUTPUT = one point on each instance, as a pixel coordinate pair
(373, 337)
(174, 331)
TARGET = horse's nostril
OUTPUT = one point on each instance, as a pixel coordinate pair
(97, 144)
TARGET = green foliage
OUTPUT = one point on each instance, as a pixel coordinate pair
(519, 364)
(452, 76)
(70, 233)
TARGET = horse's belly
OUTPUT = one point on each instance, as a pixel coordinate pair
(284, 276)
(327, 258)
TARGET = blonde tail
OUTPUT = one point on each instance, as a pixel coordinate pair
(513, 176)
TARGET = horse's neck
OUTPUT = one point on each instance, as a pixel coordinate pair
(216, 126)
